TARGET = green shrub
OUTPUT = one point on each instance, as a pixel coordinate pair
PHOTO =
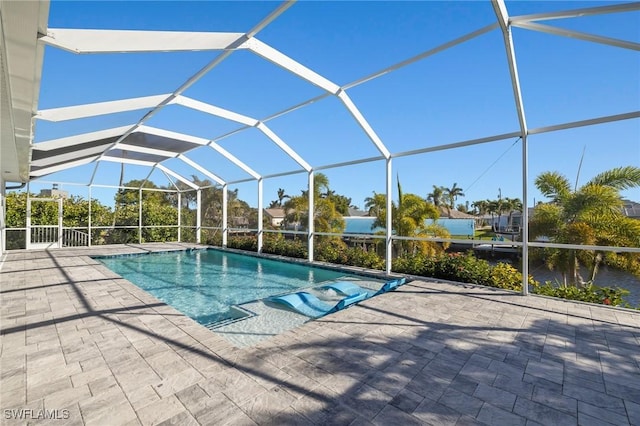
(243, 243)
(290, 248)
(458, 267)
(506, 276)
(331, 250)
(356, 256)
(589, 293)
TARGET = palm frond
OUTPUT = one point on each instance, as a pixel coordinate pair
(619, 178)
(553, 185)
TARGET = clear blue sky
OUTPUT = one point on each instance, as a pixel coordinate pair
(461, 93)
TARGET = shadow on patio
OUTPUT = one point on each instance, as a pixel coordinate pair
(430, 353)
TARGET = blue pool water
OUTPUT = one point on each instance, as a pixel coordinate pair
(203, 284)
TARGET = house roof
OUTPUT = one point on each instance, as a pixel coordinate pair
(631, 209)
(454, 214)
(275, 213)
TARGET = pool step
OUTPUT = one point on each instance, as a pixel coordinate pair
(236, 314)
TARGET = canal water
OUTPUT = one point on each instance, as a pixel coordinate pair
(606, 277)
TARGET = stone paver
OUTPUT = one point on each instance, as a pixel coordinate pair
(76, 337)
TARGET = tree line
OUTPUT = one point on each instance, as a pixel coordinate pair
(587, 215)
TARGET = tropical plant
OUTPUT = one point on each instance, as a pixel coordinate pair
(588, 215)
(437, 196)
(376, 205)
(409, 218)
(281, 196)
(326, 217)
(512, 205)
(452, 194)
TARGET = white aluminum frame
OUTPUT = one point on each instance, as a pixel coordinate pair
(102, 41)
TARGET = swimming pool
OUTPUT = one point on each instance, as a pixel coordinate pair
(204, 284)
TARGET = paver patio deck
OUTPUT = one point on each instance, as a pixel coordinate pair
(78, 339)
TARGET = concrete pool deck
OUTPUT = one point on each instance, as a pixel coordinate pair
(91, 348)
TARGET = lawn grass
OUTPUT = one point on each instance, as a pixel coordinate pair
(480, 234)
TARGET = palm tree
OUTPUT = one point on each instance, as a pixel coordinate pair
(281, 196)
(436, 196)
(492, 209)
(501, 206)
(296, 208)
(513, 204)
(320, 182)
(326, 217)
(408, 220)
(451, 195)
(591, 214)
(376, 205)
(480, 207)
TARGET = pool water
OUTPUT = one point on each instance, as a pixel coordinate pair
(204, 284)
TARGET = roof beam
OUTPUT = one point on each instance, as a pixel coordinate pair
(247, 121)
(177, 176)
(280, 59)
(127, 41)
(214, 110)
(502, 15)
(127, 161)
(201, 169)
(363, 123)
(99, 108)
(234, 160)
(173, 135)
(575, 13)
(422, 55)
(170, 180)
(214, 63)
(283, 146)
(145, 150)
(79, 139)
(269, 53)
(589, 122)
(68, 157)
(577, 35)
(53, 169)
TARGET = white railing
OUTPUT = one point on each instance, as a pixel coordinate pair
(72, 237)
(44, 234)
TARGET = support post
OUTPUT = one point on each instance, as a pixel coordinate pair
(502, 16)
(225, 218)
(89, 220)
(260, 227)
(389, 237)
(3, 216)
(28, 233)
(179, 215)
(525, 216)
(60, 236)
(140, 216)
(311, 223)
(198, 215)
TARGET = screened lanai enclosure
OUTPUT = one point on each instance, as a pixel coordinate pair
(196, 122)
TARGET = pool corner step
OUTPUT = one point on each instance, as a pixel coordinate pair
(236, 314)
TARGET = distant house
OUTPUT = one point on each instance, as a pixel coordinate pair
(363, 225)
(454, 214)
(357, 213)
(276, 216)
(631, 209)
(54, 192)
(239, 222)
(360, 225)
